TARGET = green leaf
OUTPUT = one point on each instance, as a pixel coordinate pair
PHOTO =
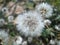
(12, 33)
(29, 5)
(47, 32)
(58, 18)
(1, 14)
(10, 25)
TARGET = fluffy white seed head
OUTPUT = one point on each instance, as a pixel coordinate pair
(30, 24)
(4, 37)
(47, 22)
(52, 42)
(4, 9)
(18, 40)
(57, 27)
(30, 39)
(10, 18)
(2, 22)
(44, 9)
(24, 43)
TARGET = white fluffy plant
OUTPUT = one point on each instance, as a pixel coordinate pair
(30, 24)
(18, 40)
(3, 37)
(45, 10)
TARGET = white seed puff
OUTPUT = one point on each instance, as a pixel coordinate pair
(57, 27)
(30, 24)
(4, 37)
(2, 22)
(18, 40)
(45, 10)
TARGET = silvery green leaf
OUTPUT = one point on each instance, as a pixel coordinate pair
(58, 18)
